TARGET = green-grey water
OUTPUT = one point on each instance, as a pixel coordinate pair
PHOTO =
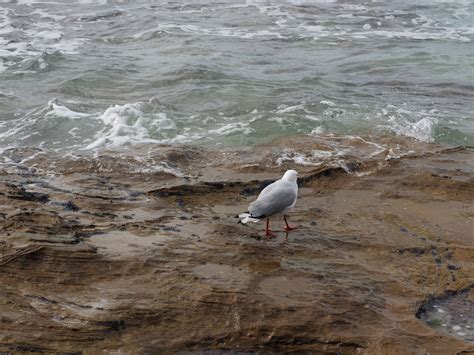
(94, 74)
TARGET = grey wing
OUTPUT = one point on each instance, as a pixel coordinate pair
(274, 201)
(269, 188)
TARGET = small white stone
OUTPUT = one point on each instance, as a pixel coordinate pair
(440, 310)
(456, 328)
(367, 26)
(461, 334)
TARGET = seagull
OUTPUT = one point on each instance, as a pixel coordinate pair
(277, 197)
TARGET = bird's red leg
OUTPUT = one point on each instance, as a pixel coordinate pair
(268, 232)
(288, 227)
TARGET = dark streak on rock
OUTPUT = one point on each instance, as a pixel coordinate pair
(21, 194)
(102, 214)
(71, 206)
(113, 325)
(453, 267)
(41, 299)
(27, 348)
(246, 188)
(415, 251)
(29, 250)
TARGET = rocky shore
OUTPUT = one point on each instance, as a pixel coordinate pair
(140, 251)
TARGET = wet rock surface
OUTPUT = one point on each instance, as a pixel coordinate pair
(97, 256)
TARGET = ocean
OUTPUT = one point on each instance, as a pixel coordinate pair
(89, 75)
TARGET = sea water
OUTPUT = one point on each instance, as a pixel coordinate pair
(88, 75)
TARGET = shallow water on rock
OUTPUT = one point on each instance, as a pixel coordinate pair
(453, 315)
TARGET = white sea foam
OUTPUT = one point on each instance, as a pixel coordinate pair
(317, 131)
(47, 15)
(421, 130)
(303, 2)
(410, 123)
(72, 132)
(146, 164)
(45, 33)
(36, 123)
(316, 158)
(171, 28)
(288, 109)
(56, 109)
(447, 34)
(232, 128)
(49, 35)
(123, 124)
(313, 118)
(288, 25)
(277, 119)
(422, 20)
(327, 103)
(353, 7)
(5, 22)
(295, 157)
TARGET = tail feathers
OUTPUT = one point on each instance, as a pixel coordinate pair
(246, 217)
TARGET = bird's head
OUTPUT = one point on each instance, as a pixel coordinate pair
(290, 175)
